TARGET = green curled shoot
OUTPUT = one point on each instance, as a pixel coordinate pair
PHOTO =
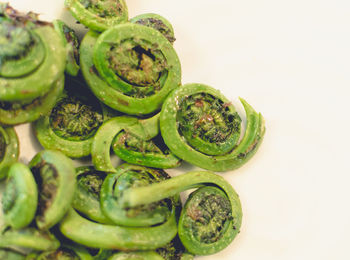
(20, 198)
(201, 126)
(55, 176)
(9, 149)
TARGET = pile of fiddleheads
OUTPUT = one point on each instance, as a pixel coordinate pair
(118, 90)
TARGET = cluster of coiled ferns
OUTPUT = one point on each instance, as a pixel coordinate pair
(119, 89)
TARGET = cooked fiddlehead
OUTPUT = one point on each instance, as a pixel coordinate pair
(115, 129)
(130, 67)
(9, 149)
(98, 15)
(20, 198)
(211, 217)
(32, 61)
(87, 195)
(71, 42)
(128, 176)
(55, 176)
(157, 22)
(201, 126)
(71, 124)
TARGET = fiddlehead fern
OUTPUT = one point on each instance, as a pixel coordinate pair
(157, 22)
(70, 40)
(211, 217)
(144, 130)
(96, 235)
(55, 176)
(13, 113)
(130, 67)
(32, 61)
(11, 255)
(201, 126)
(28, 238)
(144, 215)
(140, 255)
(66, 252)
(72, 123)
(150, 153)
(174, 251)
(87, 195)
(9, 149)
(20, 198)
(98, 15)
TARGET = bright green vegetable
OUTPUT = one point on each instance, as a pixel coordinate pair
(141, 255)
(66, 252)
(9, 149)
(98, 15)
(130, 67)
(71, 42)
(28, 238)
(128, 176)
(10, 255)
(111, 133)
(32, 61)
(201, 126)
(157, 22)
(55, 175)
(72, 123)
(137, 150)
(13, 113)
(41, 79)
(211, 217)
(174, 251)
(20, 198)
(87, 195)
(96, 235)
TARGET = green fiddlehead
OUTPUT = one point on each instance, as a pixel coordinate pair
(70, 40)
(153, 152)
(9, 149)
(20, 198)
(103, 254)
(28, 238)
(66, 252)
(98, 15)
(130, 67)
(71, 125)
(174, 251)
(211, 217)
(157, 22)
(10, 255)
(13, 113)
(87, 195)
(96, 235)
(32, 61)
(141, 255)
(55, 176)
(111, 133)
(201, 126)
(128, 176)
(21, 37)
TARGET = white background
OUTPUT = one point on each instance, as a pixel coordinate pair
(290, 60)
